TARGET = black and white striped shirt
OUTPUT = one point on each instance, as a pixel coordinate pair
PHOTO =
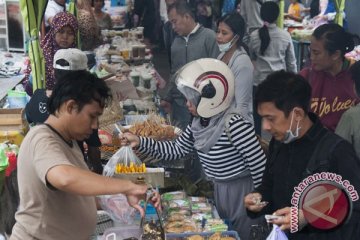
(225, 160)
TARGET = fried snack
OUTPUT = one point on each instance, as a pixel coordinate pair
(106, 148)
(133, 168)
(195, 237)
(153, 130)
(215, 236)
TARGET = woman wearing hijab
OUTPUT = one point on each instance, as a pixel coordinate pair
(226, 143)
(62, 35)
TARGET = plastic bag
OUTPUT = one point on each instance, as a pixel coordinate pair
(276, 234)
(118, 208)
(125, 159)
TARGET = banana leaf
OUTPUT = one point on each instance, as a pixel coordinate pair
(32, 12)
(340, 7)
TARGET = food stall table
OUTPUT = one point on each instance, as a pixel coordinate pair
(6, 84)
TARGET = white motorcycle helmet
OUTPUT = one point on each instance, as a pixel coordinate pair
(208, 83)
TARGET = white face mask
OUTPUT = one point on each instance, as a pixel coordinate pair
(289, 135)
(226, 46)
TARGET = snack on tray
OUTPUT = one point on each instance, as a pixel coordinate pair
(154, 127)
(173, 195)
(182, 226)
(175, 206)
(152, 232)
(195, 237)
(215, 227)
(217, 236)
(197, 199)
(198, 217)
(153, 130)
(201, 208)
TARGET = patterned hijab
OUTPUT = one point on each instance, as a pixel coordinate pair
(49, 45)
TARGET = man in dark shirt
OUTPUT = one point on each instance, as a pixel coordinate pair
(65, 61)
(299, 139)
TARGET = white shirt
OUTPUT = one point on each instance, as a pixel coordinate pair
(52, 9)
(192, 32)
(163, 11)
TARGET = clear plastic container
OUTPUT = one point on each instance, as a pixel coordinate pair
(120, 233)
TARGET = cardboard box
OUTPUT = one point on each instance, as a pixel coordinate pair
(13, 125)
(153, 176)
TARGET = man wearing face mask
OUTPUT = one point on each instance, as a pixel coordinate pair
(298, 137)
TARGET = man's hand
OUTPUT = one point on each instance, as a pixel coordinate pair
(253, 202)
(166, 106)
(284, 220)
(139, 193)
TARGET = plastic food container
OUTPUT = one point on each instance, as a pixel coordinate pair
(206, 235)
(120, 233)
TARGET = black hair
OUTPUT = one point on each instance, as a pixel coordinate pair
(237, 25)
(355, 74)
(314, 8)
(286, 90)
(93, 1)
(9, 202)
(269, 12)
(182, 8)
(81, 86)
(61, 73)
(335, 38)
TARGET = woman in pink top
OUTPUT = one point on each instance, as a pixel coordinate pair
(331, 82)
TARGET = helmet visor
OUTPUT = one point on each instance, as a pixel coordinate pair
(190, 94)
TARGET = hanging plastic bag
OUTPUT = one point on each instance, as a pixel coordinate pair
(123, 161)
(118, 208)
(277, 234)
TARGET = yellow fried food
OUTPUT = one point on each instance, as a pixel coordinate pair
(195, 237)
(133, 168)
(215, 236)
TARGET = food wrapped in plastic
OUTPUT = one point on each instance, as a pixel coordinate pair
(178, 204)
(198, 217)
(197, 199)
(124, 159)
(201, 207)
(173, 195)
(186, 225)
(118, 208)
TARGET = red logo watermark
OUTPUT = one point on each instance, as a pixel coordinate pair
(325, 205)
(324, 200)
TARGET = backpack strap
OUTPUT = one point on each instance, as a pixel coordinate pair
(320, 158)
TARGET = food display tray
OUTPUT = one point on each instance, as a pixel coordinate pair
(206, 235)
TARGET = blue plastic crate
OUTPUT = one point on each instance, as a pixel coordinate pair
(233, 234)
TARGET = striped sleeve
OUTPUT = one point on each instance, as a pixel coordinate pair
(244, 139)
(168, 150)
